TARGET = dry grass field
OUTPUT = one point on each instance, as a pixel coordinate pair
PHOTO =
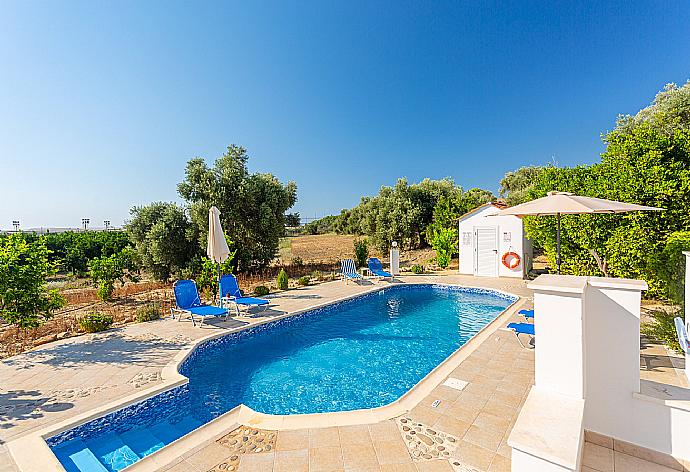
(331, 248)
(318, 248)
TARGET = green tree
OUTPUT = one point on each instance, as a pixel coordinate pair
(442, 233)
(515, 185)
(106, 270)
(252, 206)
(670, 265)
(164, 237)
(361, 252)
(403, 212)
(292, 220)
(25, 300)
(646, 161)
(74, 249)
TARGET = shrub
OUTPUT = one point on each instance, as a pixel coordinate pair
(25, 300)
(149, 312)
(662, 328)
(361, 252)
(261, 290)
(417, 269)
(670, 265)
(95, 322)
(282, 280)
(304, 280)
(107, 269)
(297, 261)
(445, 241)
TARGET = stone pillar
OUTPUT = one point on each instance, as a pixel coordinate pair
(586, 360)
(559, 360)
(612, 354)
(395, 259)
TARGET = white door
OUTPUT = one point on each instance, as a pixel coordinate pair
(486, 251)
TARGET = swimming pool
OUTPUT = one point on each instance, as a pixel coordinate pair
(362, 353)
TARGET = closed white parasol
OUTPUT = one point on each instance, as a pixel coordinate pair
(217, 248)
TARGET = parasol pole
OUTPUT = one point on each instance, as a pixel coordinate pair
(558, 243)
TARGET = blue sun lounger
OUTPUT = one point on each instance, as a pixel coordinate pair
(376, 269)
(348, 270)
(527, 314)
(188, 301)
(230, 293)
(522, 328)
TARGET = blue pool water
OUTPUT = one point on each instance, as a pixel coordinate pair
(362, 353)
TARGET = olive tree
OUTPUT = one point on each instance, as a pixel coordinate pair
(252, 206)
(164, 237)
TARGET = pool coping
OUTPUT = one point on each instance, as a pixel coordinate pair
(31, 453)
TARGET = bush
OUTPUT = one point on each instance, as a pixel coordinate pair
(95, 322)
(662, 328)
(261, 290)
(106, 270)
(445, 241)
(361, 252)
(25, 300)
(282, 280)
(297, 261)
(148, 312)
(670, 265)
(417, 269)
(304, 280)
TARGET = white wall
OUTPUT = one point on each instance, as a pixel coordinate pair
(588, 345)
(505, 224)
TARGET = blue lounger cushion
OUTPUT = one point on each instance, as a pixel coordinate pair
(230, 290)
(188, 301)
(376, 268)
(207, 310)
(526, 313)
(250, 301)
(522, 328)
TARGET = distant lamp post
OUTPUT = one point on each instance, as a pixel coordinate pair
(85, 223)
(106, 223)
(15, 223)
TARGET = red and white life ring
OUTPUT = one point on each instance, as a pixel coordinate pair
(514, 263)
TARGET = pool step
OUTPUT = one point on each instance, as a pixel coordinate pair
(75, 456)
(165, 432)
(187, 424)
(111, 451)
(118, 451)
(142, 441)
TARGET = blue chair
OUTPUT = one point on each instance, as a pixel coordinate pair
(188, 301)
(376, 269)
(348, 270)
(522, 328)
(230, 293)
(682, 333)
(528, 314)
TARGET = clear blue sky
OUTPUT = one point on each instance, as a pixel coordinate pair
(101, 104)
